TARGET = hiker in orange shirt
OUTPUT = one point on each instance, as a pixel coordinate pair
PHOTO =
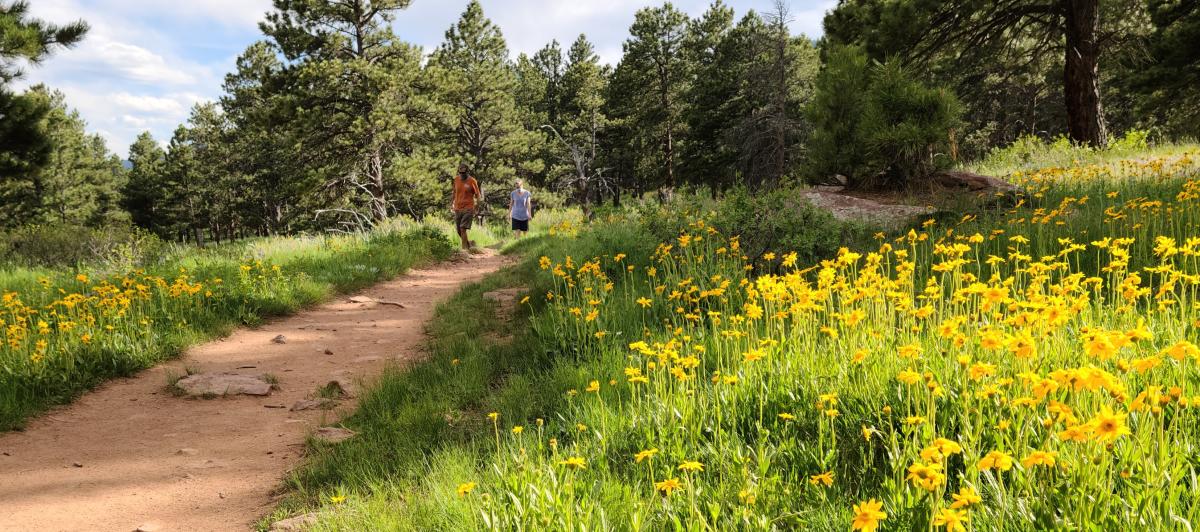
(466, 192)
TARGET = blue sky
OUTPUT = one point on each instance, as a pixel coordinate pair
(146, 62)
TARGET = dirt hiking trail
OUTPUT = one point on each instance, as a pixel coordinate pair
(132, 455)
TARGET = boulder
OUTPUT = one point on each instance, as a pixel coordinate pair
(333, 434)
(212, 384)
(309, 404)
(342, 387)
(977, 183)
(300, 522)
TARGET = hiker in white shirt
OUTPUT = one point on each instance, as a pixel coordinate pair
(520, 209)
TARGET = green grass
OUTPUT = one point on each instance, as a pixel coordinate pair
(430, 415)
(425, 432)
(282, 276)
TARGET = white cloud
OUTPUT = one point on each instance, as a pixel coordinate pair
(139, 64)
(134, 121)
(148, 104)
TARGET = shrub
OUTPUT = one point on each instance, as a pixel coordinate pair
(780, 221)
(114, 247)
(906, 126)
(878, 125)
(836, 145)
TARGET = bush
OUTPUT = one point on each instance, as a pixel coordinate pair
(780, 221)
(877, 125)
(907, 127)
(836, 145)
(115, 247)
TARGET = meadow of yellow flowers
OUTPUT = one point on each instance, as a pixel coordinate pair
(1037, 368)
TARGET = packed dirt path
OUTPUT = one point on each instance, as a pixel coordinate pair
(131, 455)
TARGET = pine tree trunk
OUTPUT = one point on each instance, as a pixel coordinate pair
(668, 189)
(1081, 78)
(378, 194)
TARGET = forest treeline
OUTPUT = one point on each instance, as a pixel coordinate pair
(332, 120)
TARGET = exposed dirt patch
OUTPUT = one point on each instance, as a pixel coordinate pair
(875, 209)
(506, 298)
(148, 458)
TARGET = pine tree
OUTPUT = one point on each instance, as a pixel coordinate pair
(23, 143)
(80, 181)
(581, 122)
(77, 180)
(707, 158)
(621, 145)
(529, 93)
(30, 39)
(777, 78)
(352, 89)
(1168, 87)
(655, 60)
(183, 215)
(261, 137)
(142, 196)
(966, 35)
(475, 85)
(219, 182)
(838, 145)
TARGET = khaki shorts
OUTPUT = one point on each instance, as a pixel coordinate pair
(463, 219)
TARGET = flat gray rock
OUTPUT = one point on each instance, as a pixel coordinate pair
(309, 404)
(300, 522)
(333, 434)
(369, 300)
(209, 384)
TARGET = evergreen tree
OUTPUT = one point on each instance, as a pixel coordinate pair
(23, 143)
(837, 145)
(550, 65)
(778, 81)
(581, 123)
(655, 60)
(28, 39)
(260, 113)
(217, 179)
(475, 85)
(529, 93)
(621, 145)
(76, 182)
(351, 85)
(976, 33)
(80, 182)
(182, 216)
(707, 158)
(1167, 85)
(143, 194)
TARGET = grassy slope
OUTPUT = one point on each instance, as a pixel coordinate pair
(311, 269)
(425, 432)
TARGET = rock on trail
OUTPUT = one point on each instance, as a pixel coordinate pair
(220, 384)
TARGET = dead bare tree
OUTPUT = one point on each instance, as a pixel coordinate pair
(587, 180)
